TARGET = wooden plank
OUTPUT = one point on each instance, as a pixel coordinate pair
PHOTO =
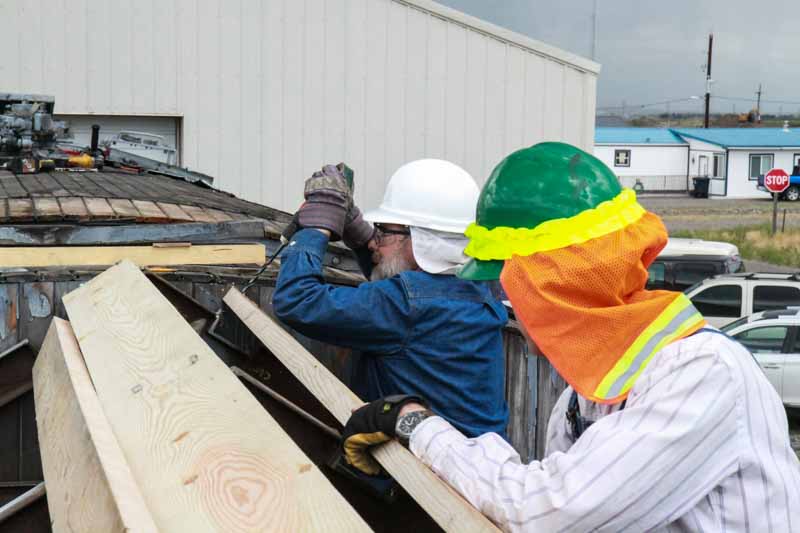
(20, 208)
(441, 502)
(219, 216)
(46, 208)
(31, 184)
(149, 211)
(550, 386)
(12, 187)
(205, 454)
(197, 213)
(99, 208)
(124, 208)
(73, 207)
(174, 212)
(209, 254)
(89, 484)
(516, 392)
(51, 185)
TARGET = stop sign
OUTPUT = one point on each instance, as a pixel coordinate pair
(776, 180)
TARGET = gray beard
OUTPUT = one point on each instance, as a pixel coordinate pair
(390, 267)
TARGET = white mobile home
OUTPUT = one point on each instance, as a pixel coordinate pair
(647, 159)
(735, 157)
(259, 94)
(661, 159)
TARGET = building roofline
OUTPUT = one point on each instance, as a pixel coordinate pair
(677, 145)
(691, 136)
(766, 147)
(500, 33)
(734, 146)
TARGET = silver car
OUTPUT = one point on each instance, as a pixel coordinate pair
(773, 337)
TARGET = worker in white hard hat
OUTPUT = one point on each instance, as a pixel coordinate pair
(421, 330)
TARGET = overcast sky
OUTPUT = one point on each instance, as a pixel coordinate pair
(652, 51)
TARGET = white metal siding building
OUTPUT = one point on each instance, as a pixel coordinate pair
(259, 94)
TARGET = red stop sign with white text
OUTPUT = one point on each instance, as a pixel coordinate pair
(776, 180)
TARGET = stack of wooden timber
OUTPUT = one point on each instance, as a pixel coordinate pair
(143, 428)
(167, 439)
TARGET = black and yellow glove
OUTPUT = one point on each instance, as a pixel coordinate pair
(371, 425)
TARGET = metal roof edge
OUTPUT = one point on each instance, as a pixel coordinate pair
(769, 146)
(681, 144)
(474, 23)
(691, 136)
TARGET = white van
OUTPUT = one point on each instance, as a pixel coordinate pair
(684, 262)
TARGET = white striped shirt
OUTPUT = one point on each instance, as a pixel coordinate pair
(701, 445)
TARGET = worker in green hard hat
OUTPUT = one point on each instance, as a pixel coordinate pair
(667, 424)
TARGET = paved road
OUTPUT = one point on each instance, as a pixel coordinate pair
(794, 434)
(681, 212)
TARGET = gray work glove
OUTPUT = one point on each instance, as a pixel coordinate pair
(357, 231)
(328, 199)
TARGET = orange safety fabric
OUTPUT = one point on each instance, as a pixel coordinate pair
(585, 305)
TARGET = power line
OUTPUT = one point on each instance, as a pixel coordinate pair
(675, 100)
(763, 101)
(653, 104)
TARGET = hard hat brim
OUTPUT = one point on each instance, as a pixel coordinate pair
(477, 270)
(382, 215)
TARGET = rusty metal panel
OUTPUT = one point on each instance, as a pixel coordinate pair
(35, 312)
(62, 288)
(9, 315)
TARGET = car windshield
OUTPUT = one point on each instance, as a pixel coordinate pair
(734, 324)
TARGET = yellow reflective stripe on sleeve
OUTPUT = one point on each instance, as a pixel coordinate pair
(504, 242)
(678, 319)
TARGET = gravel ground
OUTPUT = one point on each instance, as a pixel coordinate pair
(681, 212)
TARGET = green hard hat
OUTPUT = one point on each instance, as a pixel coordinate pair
(544, 182)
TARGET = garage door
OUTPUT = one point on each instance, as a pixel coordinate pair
(81, 127)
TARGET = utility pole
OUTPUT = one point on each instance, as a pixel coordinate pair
(708, 79)
(758, 105)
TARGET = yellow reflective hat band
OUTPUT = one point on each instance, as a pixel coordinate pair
(503, 242)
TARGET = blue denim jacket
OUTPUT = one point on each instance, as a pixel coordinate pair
(436, 336)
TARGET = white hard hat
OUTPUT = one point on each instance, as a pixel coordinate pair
(428, 193)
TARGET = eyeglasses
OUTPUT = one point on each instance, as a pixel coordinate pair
(381, 232)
